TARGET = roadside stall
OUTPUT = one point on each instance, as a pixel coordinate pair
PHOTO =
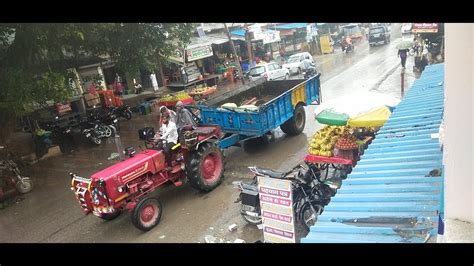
(192, 65)
(348, 130)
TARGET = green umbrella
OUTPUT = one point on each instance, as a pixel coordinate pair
(404, 45)
(332, 118)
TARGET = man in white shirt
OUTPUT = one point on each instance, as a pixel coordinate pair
(169, 133)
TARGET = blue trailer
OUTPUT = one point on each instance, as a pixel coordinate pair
(283, 107)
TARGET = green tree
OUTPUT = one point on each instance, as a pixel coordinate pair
(35, 58)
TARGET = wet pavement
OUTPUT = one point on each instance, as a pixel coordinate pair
(50, 213)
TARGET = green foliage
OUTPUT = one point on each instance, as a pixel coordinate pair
(34, 58)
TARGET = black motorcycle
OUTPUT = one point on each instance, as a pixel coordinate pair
(122, 111)
(107, 117)
(310, 72)
(53, 135)
(310, 195)
(95, 131)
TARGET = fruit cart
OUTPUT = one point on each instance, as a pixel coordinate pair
(200, 94)
(170, 100)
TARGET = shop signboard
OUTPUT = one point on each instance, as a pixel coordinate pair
(177, 57)
(276, 202)
(271, 37)
(199, 52)
(425, 28)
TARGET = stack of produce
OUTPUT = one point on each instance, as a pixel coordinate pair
(174, 98)
(324, 140)
(347, 142)
(202, 91)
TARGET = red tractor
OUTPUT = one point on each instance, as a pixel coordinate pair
(196, 159)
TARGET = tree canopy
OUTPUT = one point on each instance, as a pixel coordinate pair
(35, 57)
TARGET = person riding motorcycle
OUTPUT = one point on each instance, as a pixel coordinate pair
(308, 66)
(346, 44)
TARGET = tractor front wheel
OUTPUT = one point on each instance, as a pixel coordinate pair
(147, 214)
(111, 216)
(205, 168)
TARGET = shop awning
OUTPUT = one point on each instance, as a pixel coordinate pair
(290, 26)
(240, 33)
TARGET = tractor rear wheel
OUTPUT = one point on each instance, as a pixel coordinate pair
(205, 168)
(295, 125)
(147, 214)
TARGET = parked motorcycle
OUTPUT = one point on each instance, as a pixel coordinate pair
(122, 111)
(310, 195)
(42, 140)
(12, 177)
(107, 117)
(96, 131)
(53, 134)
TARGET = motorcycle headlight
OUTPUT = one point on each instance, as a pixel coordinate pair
(88, 135)
(115, 120)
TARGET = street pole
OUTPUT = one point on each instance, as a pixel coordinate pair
(235, 54)
(249, 45)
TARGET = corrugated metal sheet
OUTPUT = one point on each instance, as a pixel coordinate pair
(389, 196)
(289, 26)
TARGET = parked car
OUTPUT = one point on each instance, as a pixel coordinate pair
(406, 28)
(268, 71)
(295, 62)
(379, 34)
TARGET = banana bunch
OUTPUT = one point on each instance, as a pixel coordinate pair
(181, 96)
(323, 140)
(167, 98)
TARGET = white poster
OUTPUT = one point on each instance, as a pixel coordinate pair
(276, 202)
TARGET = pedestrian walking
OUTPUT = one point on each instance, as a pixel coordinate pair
(403, 53)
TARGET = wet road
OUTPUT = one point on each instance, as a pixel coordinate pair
(50, 213)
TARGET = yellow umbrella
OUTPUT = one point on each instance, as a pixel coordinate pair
(375, 118)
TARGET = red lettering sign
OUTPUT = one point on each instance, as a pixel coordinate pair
(279, 232)
(279, 217)
(275, 192)
(274, 200)
(425, 27)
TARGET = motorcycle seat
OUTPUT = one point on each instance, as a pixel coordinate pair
(269, 172)
(249, 187)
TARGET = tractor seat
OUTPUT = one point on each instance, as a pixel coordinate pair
(269, 172)
(249, 187)
(204, 131)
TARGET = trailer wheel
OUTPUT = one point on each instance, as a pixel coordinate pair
(205, 168)
(147, 214)
(110, 216)
(295, 125)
